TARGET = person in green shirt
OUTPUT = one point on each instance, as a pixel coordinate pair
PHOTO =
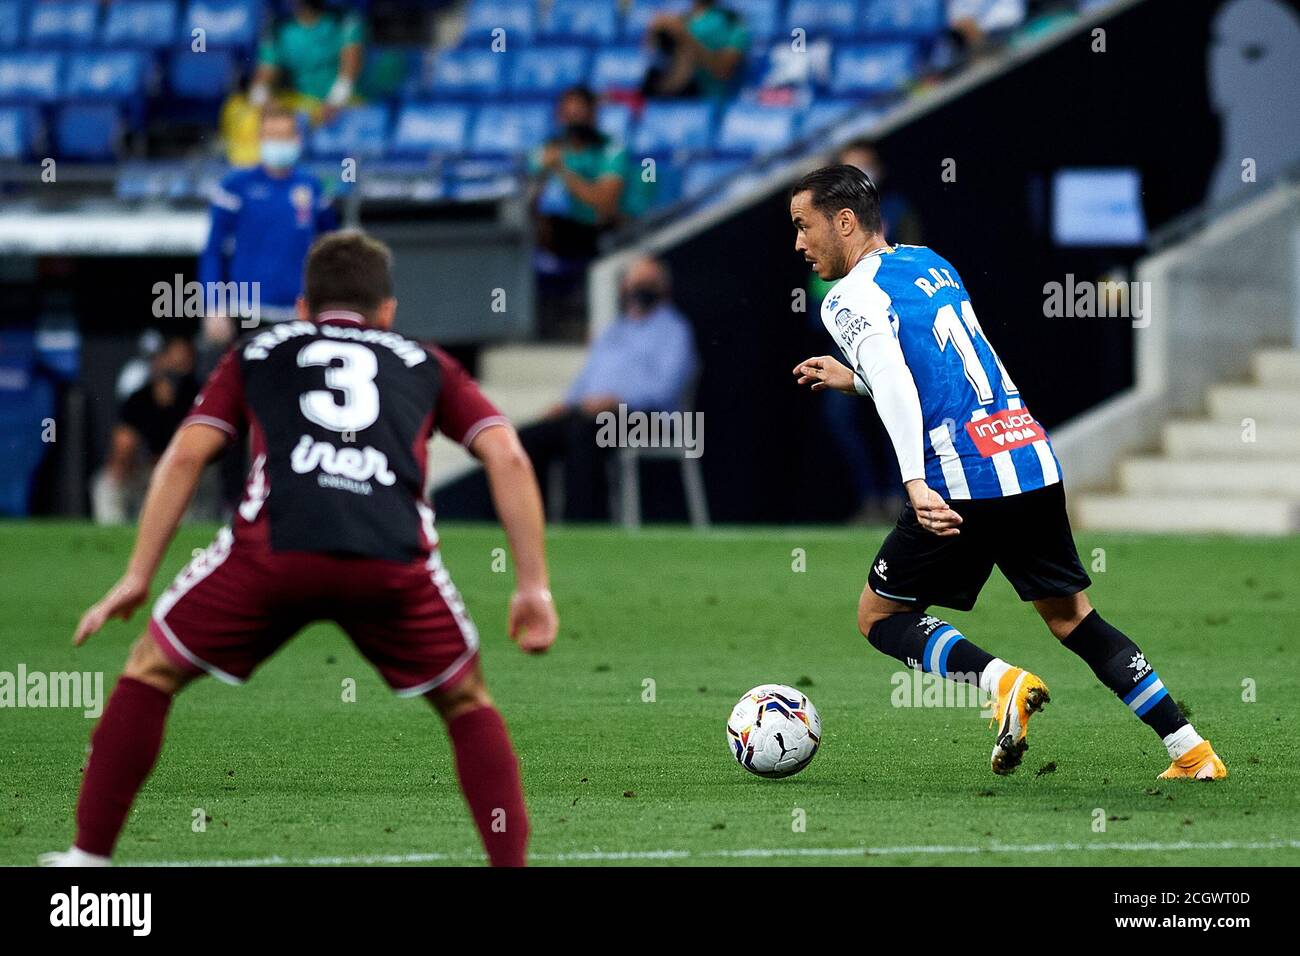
(316, 54)
(579, 178)
(702, 51)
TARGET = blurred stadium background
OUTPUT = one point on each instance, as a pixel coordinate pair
(1031, 143)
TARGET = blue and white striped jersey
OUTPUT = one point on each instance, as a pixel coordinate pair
(980, 441)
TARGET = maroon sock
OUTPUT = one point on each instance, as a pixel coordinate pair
(489, 778)
(123, 749)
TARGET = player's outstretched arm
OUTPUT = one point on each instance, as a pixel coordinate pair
(533, 622)
(823, 372)
(170, 489)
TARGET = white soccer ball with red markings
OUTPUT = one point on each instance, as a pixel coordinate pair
(774, 731)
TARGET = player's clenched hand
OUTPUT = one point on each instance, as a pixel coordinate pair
(533, 621)
(824, 372)
(121, 601)
(931, 510)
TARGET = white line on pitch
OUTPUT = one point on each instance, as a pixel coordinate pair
(756, 852)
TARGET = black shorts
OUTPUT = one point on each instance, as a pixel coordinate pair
(1027, 536)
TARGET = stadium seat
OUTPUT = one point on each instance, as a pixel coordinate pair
(641, 12)
(225, 23)
(618, 68)
(425, 128)
(869, 68)
(11, 24)
(62, 23)
(518, 18)
(141, 23)
(88, 131)
(903, 18)
(823, 17)
(748, 129)
(780, 65)
(821, 114)
(614, 120)
(509, 129)
(201, 76)
(762, 18)
(594, 21)
(543, 71)
(671, 125)
(27, 77)
(19, 128)
(701, 176)
(113, 75)
(358, 131)
(468, 73)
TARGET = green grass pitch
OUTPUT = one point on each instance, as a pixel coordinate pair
(286, 769)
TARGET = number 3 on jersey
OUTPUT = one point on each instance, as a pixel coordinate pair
(355, 378)
(960, 332)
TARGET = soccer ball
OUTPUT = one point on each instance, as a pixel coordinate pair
(774, 731)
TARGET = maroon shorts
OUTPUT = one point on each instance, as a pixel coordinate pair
(234, 605)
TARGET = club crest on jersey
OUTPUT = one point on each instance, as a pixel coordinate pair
(348, 468)
(1004, 430)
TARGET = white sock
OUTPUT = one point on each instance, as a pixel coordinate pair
(79, 857)
(1182, 740)
(992, 675)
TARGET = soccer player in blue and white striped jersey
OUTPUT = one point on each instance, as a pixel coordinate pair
(983, 484)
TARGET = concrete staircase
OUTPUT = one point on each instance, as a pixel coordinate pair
(521, 380)
(1236, 471)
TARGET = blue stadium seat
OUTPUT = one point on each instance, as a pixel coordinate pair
(762, 18)
(112, 75)
(27, 77)
(823, 17)
(141, 23)
(424, 128)
(904, 18)
(618, 68)
(509, 129)
(670, 125)
(869, 68)
(62, 23)
(225, 23)
(517, 17)
(19, 126)
(820, 114)
(358, 131)
(473, 73)
(702, 175)
(201, 76)
(595, 21)
(11, 24)
(89, 131)
(547, 70)
(749, 129)
(614, 120)
(641, 12)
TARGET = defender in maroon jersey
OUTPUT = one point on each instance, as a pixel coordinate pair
(333, 525)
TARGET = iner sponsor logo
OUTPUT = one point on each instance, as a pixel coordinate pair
(348, 468)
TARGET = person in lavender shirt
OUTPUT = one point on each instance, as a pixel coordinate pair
(645, 360)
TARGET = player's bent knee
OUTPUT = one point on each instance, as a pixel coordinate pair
(1062, 615)
(872, 609)
(149, 665)
(468, 693)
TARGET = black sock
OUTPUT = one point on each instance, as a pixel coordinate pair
(925, 643)
(1121, 666)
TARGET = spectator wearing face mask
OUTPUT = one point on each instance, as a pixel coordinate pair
(646, 360)
(264, 220)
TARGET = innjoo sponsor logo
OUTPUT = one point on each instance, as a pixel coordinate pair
(76, 689)
(75, 908)
(627, 429)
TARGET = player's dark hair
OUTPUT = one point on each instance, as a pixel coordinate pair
(347, 269)
(843, 187)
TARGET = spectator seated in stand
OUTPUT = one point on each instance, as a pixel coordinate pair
(699, 53)
(315, 55)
